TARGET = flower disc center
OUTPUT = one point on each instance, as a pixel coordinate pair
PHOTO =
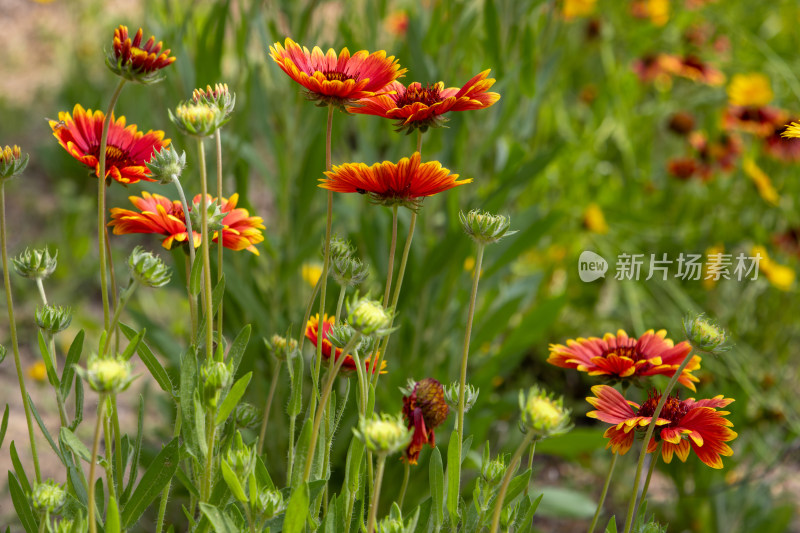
(427, 95)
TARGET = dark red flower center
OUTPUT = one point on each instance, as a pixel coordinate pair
(625, 351)
(427, 95)
(674, 409)
(116, 157)
(336, 75)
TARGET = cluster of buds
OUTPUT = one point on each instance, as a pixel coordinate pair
(281, 347)
(214, 214)
(394, 522)
(35, 264)
(107, 374)
(241, 458)
(470, 395)
(384, 434)
(542, 414)
(368, 316)
(53, 319)
(704, 335)
(217, 376)
(48, 496)
(269, 503)
(12, 162)
(134, 61)
(167, 165)
(148, 269)
(218, 96)
(198, 119)
(483, 227)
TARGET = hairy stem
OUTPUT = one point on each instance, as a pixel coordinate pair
(205, 242)
(268, 407)
(512, 467)
(93, 464)
(604, 493)
(376, 493)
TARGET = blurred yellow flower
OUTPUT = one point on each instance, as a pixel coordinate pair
(750, 90)
(578, 8)
(761, 180)
(781, 276)
(658, 11)
(311, 273)
(594, 220)
(714, 260)
(469, 263)
(37, 371)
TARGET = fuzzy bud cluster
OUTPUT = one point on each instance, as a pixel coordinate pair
(281, 347)
(470, 395)
(48, 496)
(368, 316)
(167, 165)
(12, 162)
(483, 227)
(53, 319)
(107, 374)
(148, 269)
(217, 376)
(704, 335)
(543, 414)
(384, 434)
(35, 264)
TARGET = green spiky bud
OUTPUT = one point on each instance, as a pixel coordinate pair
(349, 271)
(198, 119)
(384, 434)
(340, 248)
(219, 96)
(483, 227)
(148, 269)
(247, 415)
(543, 414)
(35, 264)
(340, 335)
(241, 458)
(167, 165)
(470, 395)
(269, 503)
(12, 162)
(281, 347)
(106, 374)
(48, 496)
(705, 335)
(214, 215)
(217, 376)
(492, 471)
(369, 316)
(53, 319)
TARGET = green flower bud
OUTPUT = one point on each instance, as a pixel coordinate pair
(12, 162)
(35, 264)
(68, 526)
(167, 165)
(369, 316)
(704, 335)
(340, 335)
(281, 347)
(106, 374)
(349, 271)
(383, 435)
(53, 319)
(470, 395)
(493, 471)
(148, 269)
(48, 496)
(394, 522)
(483, 227)
(197, 119)
(219, 96)
(340, 248)
(217, 376)
(543, 414)
(269, 503)
(247, 415)
(214, 215)
(367, 344)
(241, 458)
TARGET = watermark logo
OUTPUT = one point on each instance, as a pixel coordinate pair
(591, 266)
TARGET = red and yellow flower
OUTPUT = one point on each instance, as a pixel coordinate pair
(404, 183)
(135, 61)
(682, 425)
(620, 357)
(349, 364)
(418, 107)
(338, 80)
(160, 215)
(127, 149)
(424, 409)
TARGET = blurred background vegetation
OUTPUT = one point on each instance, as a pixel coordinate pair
(577, 151)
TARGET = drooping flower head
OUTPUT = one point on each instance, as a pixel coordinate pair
(349, 364)
(682, 425)
(404, 183)
(618, 357)
(134, 61)
(418, 107)
(424, 409)
(127, 149)
(159, 215)
(336, 80)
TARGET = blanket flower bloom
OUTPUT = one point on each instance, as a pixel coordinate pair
(127, 149)
(134, 61)
(336, 80)
(424, 409)
(682, 425)
(404, 183)
(349, 364)
(620, 357)
(163, 216)
(418, 107)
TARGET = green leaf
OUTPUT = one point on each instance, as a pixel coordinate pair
(73, 357)
(612, 525)
(72, 442)
(238, 347)
(48, 361)
(566, 503)
(112, 517)
(4, 426)
(155, 478)
(196, 276)
(21, 504)
(132, 345)
(301, 451)
(453, 477)
(297, 509)
(44, 430)
(18, 468)
(233, 482)
(200, 426)
(578, 442)
(295, 367)
(355, 455)
(221, 523)
(436, 479)
(232, 398)
(150, 360)
(137, 450)
(517, 486)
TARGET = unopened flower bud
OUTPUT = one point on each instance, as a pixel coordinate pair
(219, 96)
(270, 503)
(247, 415)
(217, 376)
(281, 347)
(367, 344)
(349, 271)
(470, 395)
(214, 215)
(704, 335)
(493, 471)
(53, 319)
(12, 162)
(48, 496)
(198, 119)
(148, 269)
(135, 59)
(35, 264)
(340, 248)
(383, 435)
(241, 458)
(67, 526)
(390, 525)
(340, 335)
(167, 165)
(543, 414)
(483, 227)
(369, 316)
(106, 374)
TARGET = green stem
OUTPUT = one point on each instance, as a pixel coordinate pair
(325, 265)
(187, 220)
(603, 494)
(62, 412)
(205, 242)
(42, 522)
(290, 461)
(211, 435)
(340, 303)
(404, 486)
(268, 407)
(162, 508)
(653, 462)
(307, 315)
(323, 402)
(249, 514)
(650, 430)
(376, 492)
(101, 204)
(390, 269)
(218, 139)
(93, 464)
(13, 327)
(40, 286)
(107, 437)
(117, 441)
(123, 300)
(192, 299)
(512, 467)
(113, 280)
